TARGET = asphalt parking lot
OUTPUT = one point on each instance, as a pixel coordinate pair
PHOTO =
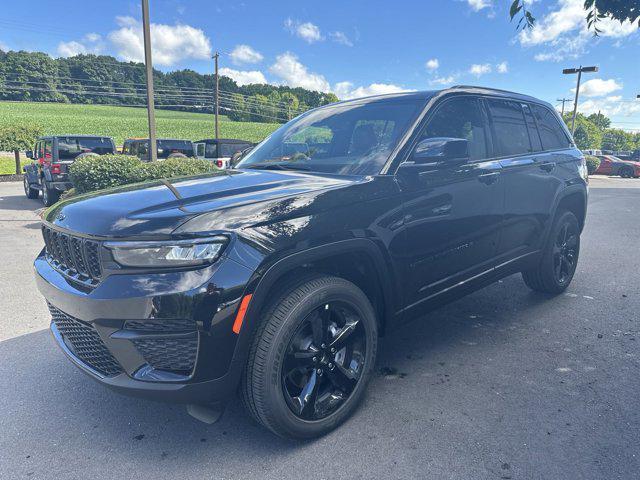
(502, 384)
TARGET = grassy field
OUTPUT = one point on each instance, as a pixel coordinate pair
(125, 122)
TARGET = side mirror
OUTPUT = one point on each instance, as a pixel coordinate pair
(29, 154)
(441, 149)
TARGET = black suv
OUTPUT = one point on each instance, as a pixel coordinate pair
(166, 148)
(276, 279)
(52, 156)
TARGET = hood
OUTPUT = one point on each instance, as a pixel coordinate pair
(159, 207)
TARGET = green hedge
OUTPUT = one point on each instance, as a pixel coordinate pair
(96, 173)
(592, 163)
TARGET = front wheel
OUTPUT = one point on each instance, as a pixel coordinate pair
(29, 191)
(311, 358)
(627, 172)
(559, 259)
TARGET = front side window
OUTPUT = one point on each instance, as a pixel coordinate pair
(460, 118)
(353, 138)
(510, 130)
(551, 133)
(70, 147)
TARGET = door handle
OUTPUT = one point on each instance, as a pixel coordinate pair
(489, 178)
(547, 166)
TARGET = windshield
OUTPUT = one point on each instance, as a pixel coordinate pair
(70, 147)
(345, 139)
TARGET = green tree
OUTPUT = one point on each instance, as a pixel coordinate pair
(616, 139)
(599, 120)
(291, 103)
(594, 11)
(587, 134)
(14, 138)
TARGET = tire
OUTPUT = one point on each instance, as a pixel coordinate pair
(49, 195)
(559, 258)
(29, 191)
(177, 155)
(289, 322)
(626, 172)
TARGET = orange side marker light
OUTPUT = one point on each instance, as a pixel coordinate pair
(237, 324)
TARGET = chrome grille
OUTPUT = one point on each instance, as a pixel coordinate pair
(73, 255)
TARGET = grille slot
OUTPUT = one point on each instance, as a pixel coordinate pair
(74, 256)
(85, 343)
(176, 355)
(173, 325)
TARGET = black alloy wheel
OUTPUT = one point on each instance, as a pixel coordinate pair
(323, 361)
(565, 253)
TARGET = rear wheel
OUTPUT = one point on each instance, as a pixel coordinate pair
(627, 172)
(559, 258)
(29, 191)
(311, 358)
(49, 195)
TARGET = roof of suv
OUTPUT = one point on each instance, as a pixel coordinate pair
(427, 94)
(225, 140)
(73, 135)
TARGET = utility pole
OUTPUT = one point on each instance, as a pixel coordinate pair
(579, 70)
(216, 95)
(563, 100)
(146, 29)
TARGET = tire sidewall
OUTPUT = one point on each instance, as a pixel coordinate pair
(274, 395)
(548, 256)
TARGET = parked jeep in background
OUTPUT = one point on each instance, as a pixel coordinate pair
(167, 148)
(52, 156)
(221, 150)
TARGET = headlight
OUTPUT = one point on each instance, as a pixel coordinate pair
(178, 253)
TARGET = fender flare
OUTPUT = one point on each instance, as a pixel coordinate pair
(31, 173)
(579, 188)
(260, 287)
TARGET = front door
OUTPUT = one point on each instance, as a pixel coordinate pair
(452, 213)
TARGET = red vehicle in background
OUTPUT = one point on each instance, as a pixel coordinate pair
(610, 165)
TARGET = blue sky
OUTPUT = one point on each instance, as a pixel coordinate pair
(356, 47)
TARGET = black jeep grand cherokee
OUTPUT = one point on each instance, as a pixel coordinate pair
(277, 278)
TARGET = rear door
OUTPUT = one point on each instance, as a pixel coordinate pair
(453, 213)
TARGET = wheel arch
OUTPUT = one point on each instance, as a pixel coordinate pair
(377, 281)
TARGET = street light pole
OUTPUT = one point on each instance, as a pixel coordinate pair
(579, 70)
(216, 97)
(146, 29)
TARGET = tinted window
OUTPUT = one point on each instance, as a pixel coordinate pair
(47, 150)
(211, 150)
(167, 147)
(511, 135)
(534, 136)
(341, 139)
(460, 118)
(70, 147)
(551, 133)
(228, 149)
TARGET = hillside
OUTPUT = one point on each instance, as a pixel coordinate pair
(125, 122)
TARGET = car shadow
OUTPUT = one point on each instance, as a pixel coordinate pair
(20, 203)
(51, 387)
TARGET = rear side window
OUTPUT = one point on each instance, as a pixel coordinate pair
(460, 118)
(534, 136)
(510, 130)
(551, 133)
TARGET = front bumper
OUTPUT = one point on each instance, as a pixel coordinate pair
(162, 336)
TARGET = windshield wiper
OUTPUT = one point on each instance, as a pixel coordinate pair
(278, 166)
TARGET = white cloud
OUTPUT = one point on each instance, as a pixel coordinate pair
(341, 38)
(171, 44)
(432, 64)
(305, 30)
(443, 81)
(611, 107)
(346, 90)
(597, 87)
(4, 47)
(480, 69)
(477, 5)
(294, 74)
(243, 77)
(90, 43)
(565, 28)
(502, 67)
(245, 54)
